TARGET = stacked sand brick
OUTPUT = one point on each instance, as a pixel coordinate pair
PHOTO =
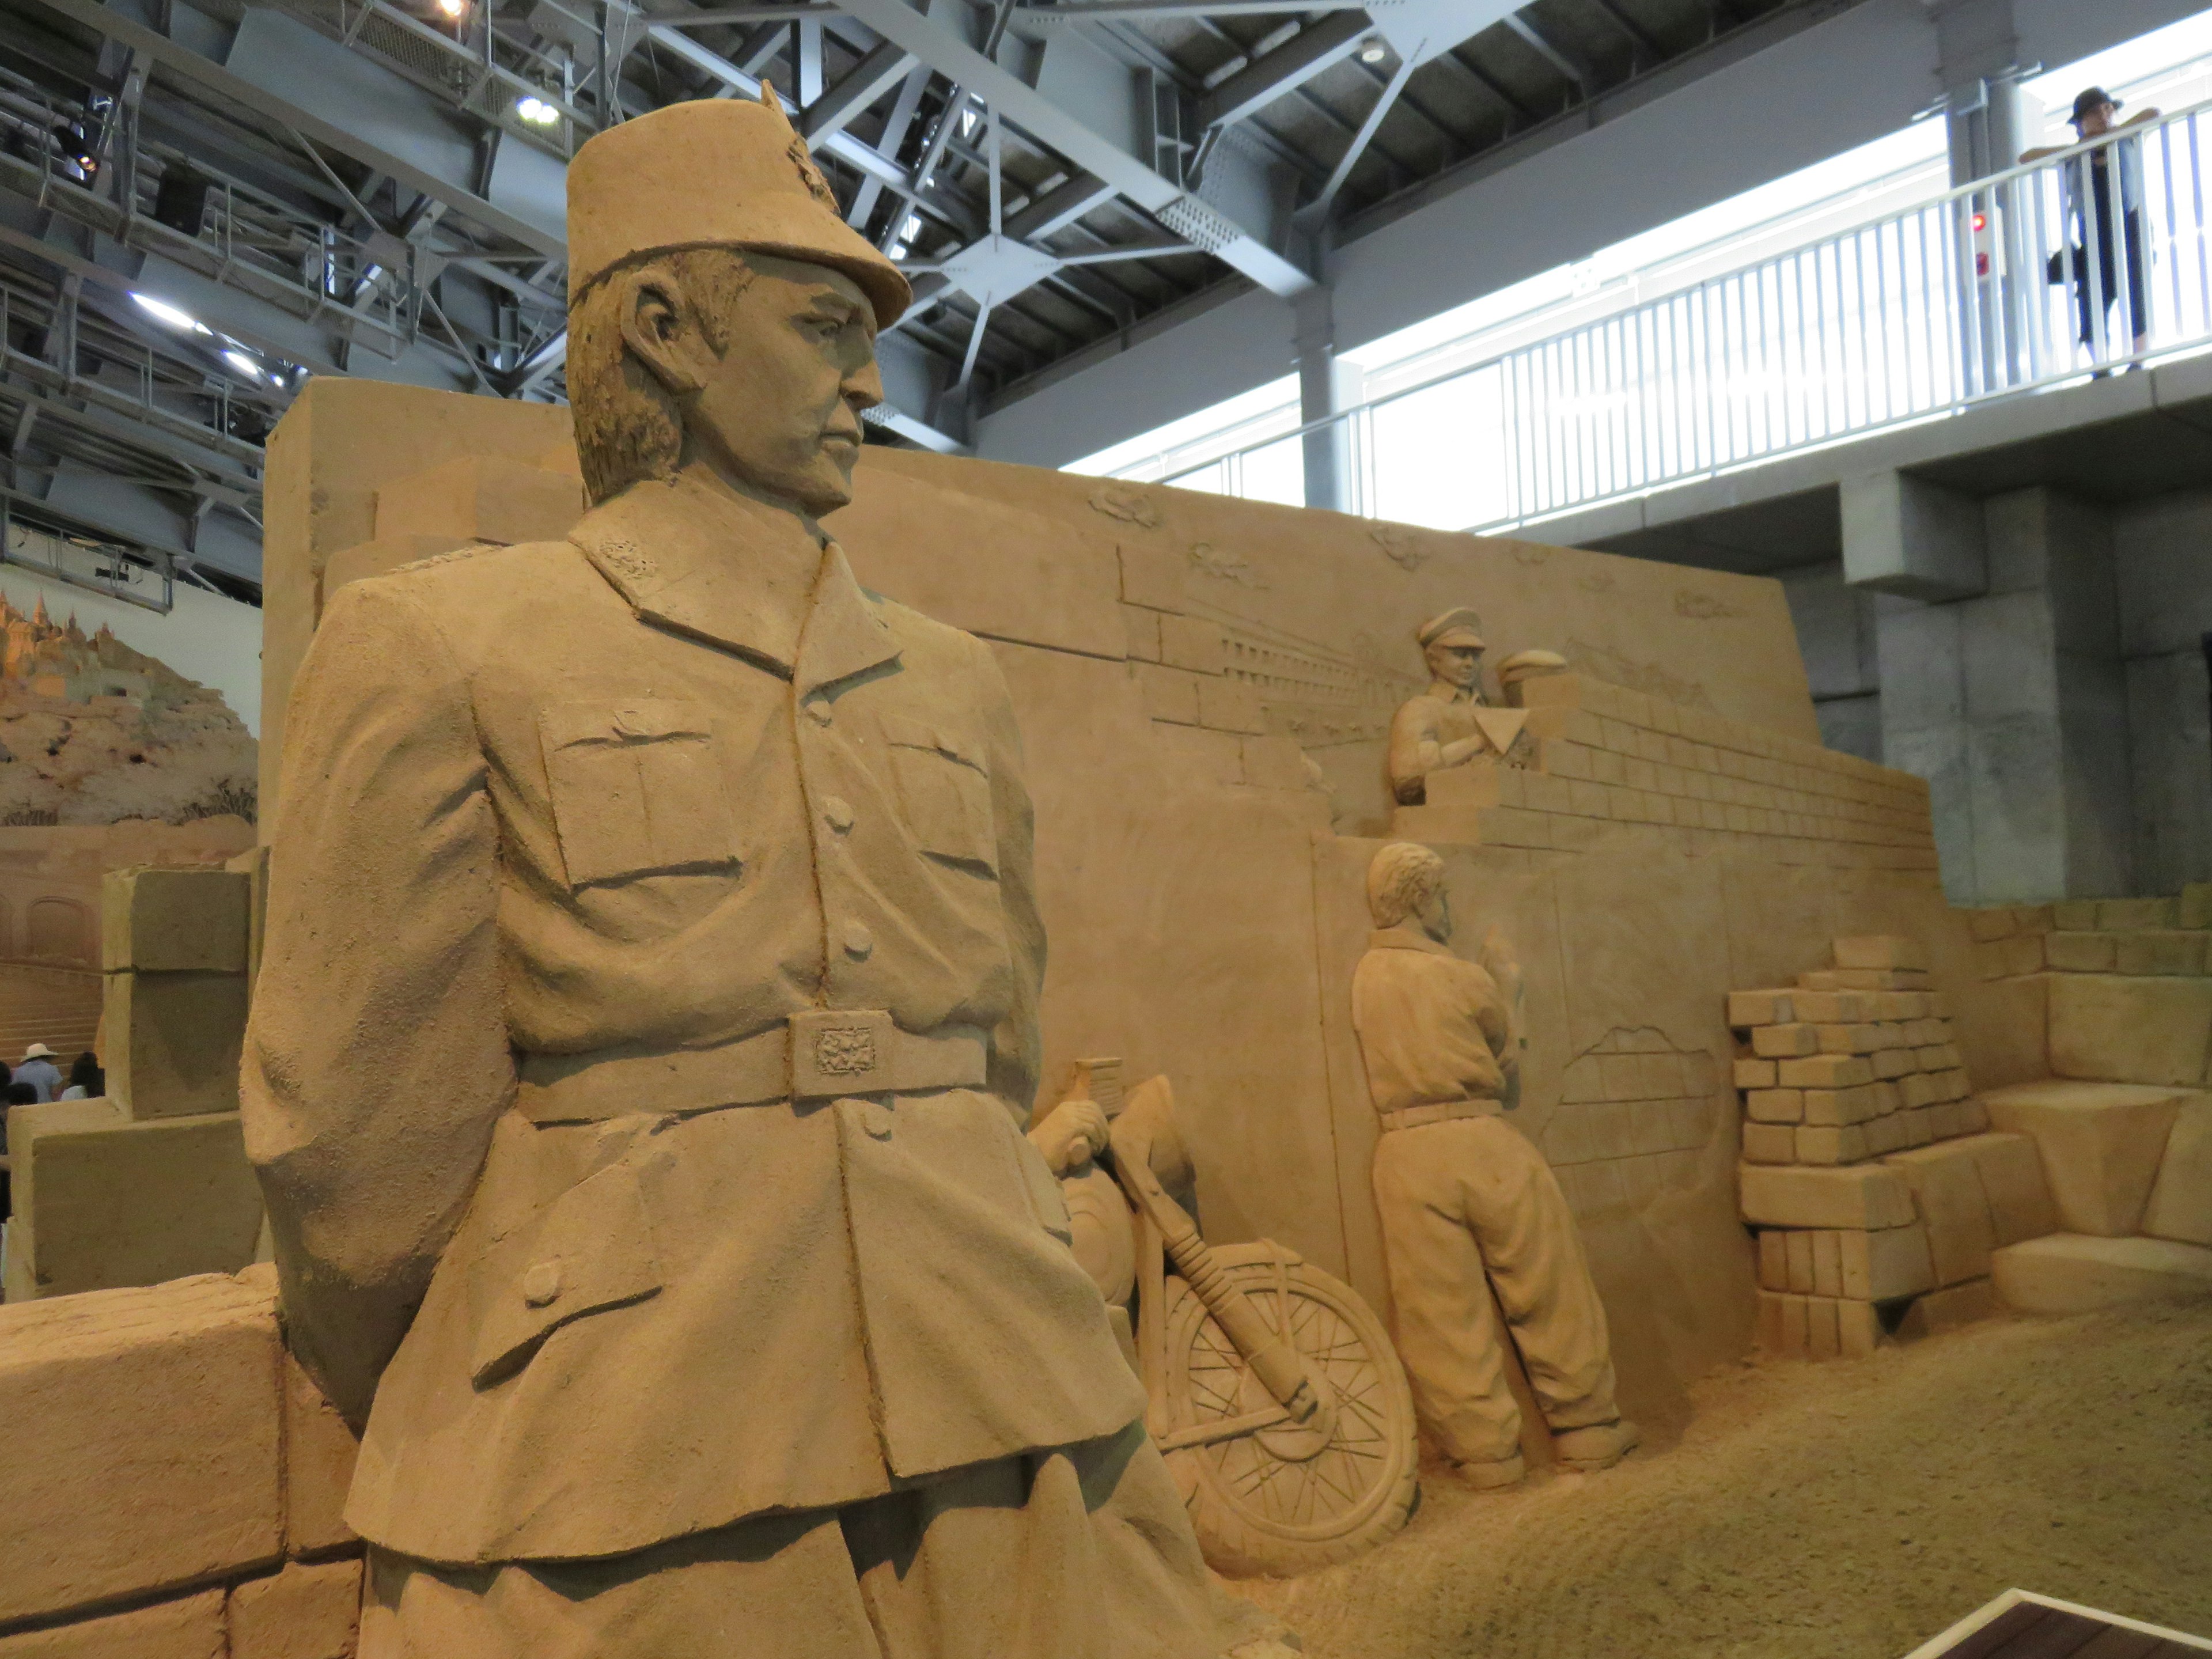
(1851, 1062)
(1877, 1196)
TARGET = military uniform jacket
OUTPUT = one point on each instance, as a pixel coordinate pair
(563, 840)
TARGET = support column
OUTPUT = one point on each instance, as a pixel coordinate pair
(1325, 387)
(2009, 698)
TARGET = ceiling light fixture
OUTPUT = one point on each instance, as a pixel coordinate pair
(1375, 50)
(537, 112)
(454, 9)
(164, 311)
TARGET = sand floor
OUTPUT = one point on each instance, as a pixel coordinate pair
(1844, 1509)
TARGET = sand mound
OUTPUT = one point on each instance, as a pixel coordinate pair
(1841, 1511)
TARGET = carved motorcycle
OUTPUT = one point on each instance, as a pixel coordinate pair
(1276, 1395)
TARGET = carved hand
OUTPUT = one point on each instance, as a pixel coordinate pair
(1072, 1134)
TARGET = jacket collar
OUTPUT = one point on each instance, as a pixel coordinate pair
(1406, 937)
(721, 567)
(1444, 691)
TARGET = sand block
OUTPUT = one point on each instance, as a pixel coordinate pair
(1858, 1328)
(2106, 1027)
(1946, 1187)
(303, 1612)
(173, 1040)
(1949, 1309)
(1823, 1334)
(1835, 1108)
(2196, 904)
(1865, 1196)
(2126, 915)
(1826, 1070)
(113, 1203)
(1773, 1259)
(2013, 1181)
(1797, 1262)
(1770, 1143)
(1775, 1105)
(1784, 1042)
(2083, 953)
(1882, 951)
(191, 1627)
(1749, 1008)
(144, 1440)
(1827, 1262)
(2180, 1207)
(1832, 1144)
(484, 498)
(167, 919)
(1883, 1265)
(2073, 1273)
(2100, 1144)
(319, 1451)
(2165, 952)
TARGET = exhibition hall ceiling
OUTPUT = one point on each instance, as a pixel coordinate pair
(204, 201)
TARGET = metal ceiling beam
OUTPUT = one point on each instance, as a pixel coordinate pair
(1291, 65)
(1317, 210)
(1557, 56)
(1126, 11)
(1020, 103)
(239, 92)
(867, 81)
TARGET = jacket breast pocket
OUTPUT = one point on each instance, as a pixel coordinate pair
(944, 790)
(637, 787)
(589, 1251)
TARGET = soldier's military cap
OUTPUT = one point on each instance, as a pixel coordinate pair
(714, 172)
(1457, 626)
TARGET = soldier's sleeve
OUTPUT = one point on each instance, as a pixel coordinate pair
(376, 1057)
(1018, 1042)
(1409, 764)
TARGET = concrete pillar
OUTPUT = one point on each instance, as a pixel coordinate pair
(2012, 704)
(1325, 387)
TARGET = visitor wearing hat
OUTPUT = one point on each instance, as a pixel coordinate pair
(40, 1071)
(1444, 726)
(648, 1007)
(2111, 253)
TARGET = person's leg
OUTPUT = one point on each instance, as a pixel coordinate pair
(1446, 1330)
(2137, 290)
(1078, 1553)
(782, 1585)
(1532, 1248)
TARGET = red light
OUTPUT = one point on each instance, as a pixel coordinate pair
(1981, 222)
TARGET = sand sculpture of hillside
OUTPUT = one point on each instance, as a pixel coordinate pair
(93, 732)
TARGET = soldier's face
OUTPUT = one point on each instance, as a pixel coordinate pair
(782, 407)
(1456, 664)
(778, 409)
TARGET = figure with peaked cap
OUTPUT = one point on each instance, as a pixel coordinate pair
(648, 1018)
(1451, 723)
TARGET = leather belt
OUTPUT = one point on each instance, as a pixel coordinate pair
(821, 1053)
(1444, 1111)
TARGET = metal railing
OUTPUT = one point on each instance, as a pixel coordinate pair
(2083, 263)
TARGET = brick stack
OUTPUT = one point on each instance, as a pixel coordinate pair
(1853, 1062)
(1875, 1195)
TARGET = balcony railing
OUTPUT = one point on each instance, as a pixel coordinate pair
(2091, 261)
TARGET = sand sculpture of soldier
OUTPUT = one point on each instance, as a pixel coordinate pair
(648, 1016)
(1467, 1203)
(1452, 723)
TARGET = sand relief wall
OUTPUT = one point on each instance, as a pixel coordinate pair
(1205, 689)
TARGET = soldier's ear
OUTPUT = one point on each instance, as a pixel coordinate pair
(662, 329)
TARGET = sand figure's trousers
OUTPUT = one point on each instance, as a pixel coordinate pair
(1466, 1200)
(1075, 1553)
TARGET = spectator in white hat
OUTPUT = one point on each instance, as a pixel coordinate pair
(40, 1071)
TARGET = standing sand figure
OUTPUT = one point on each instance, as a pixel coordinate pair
(647, 1017)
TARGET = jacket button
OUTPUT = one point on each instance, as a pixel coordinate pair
(858, 941)
(837, 812)
(817, 710)
(542, 1284)
(876, 1119)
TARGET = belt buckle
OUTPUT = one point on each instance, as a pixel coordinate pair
(840, 1051)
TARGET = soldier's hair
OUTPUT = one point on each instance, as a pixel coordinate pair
(627, 426)
(1400, 879)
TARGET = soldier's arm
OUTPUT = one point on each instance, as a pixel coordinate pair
(376, 1058)
(1017, 1044)
(1413, 753)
